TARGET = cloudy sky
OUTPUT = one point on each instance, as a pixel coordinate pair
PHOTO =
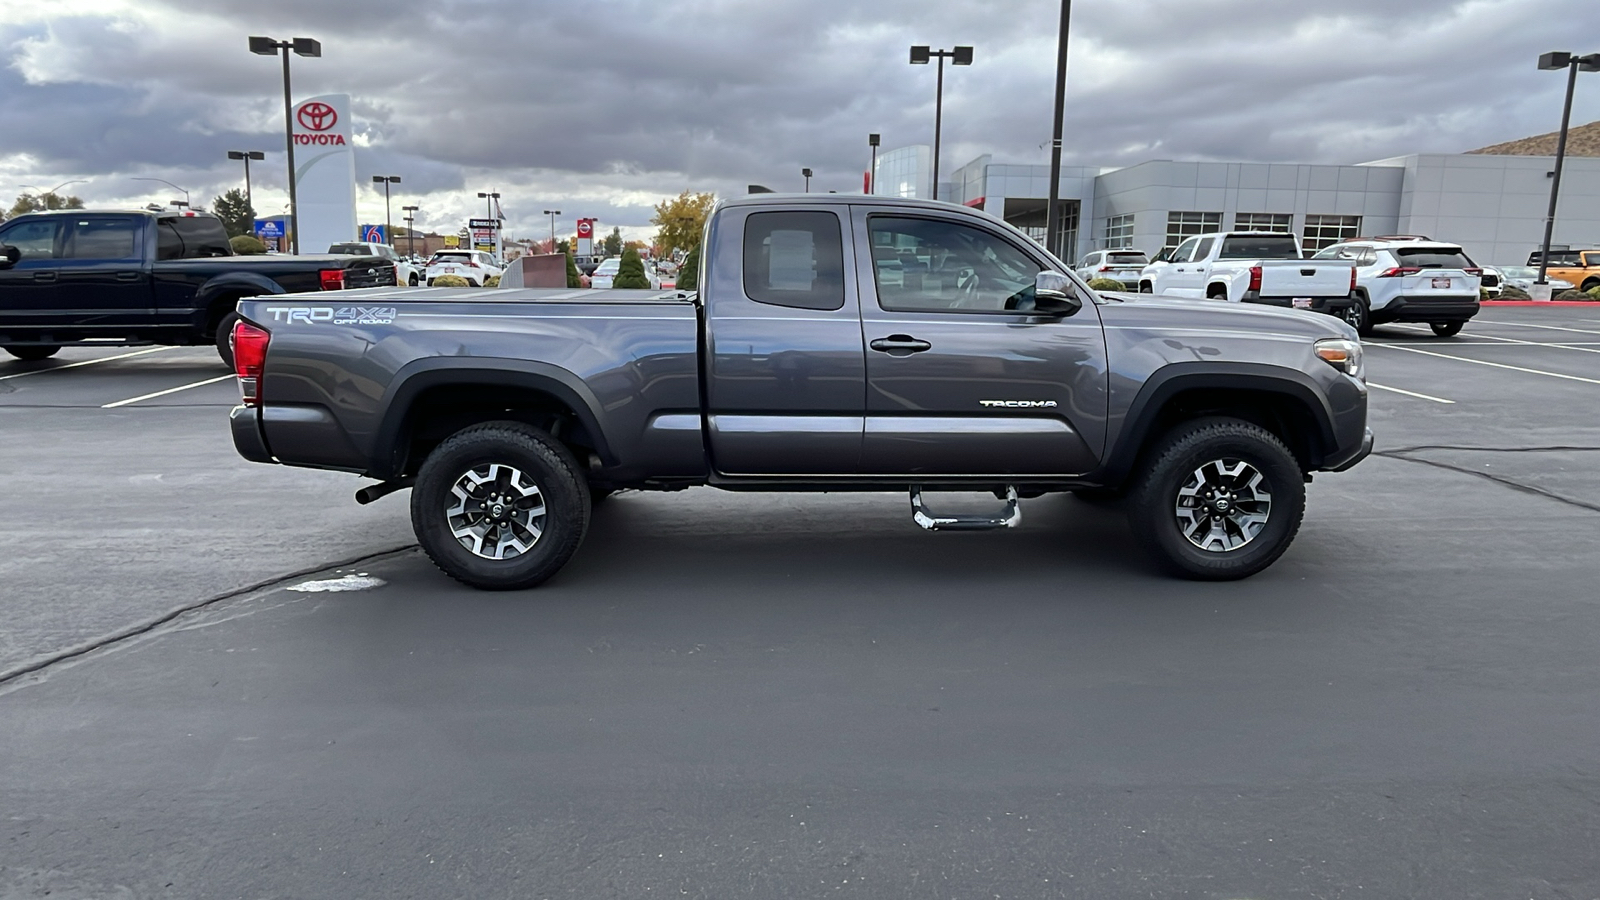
(603, 107)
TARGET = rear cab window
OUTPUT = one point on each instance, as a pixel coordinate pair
(794, 259)
(1259, 246)
(191, 237)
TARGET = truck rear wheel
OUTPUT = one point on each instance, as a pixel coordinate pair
(1358, 316)
(33, 352)
(1222, 499)
(1446, 329)
(500, 506)
(224, 338)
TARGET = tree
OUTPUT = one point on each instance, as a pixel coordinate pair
(680, 220)
(235, 212)
(246, 245)
(574, 277)
(27, 203)
(630, 274)
(564, 246)
(689, 272)
(613, 242)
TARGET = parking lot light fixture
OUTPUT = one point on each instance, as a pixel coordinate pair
(489, 198)
(920, 55)
(807, 174)
(411, 229)
(386, 180)
(872, 170)
(247, 155)
(170, 185)
(552, 213)
(1573, 63)
(300, 46)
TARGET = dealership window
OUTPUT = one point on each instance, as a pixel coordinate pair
(1183, 225)
(794, 259)
(1119, 232)
(1325, 231)
(1282, 223)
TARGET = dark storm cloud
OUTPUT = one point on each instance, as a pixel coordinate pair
(605, 105)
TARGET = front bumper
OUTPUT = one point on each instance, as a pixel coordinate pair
(247, 437)
(1426, 308)
(1340, 464)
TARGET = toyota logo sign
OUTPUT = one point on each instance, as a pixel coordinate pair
(317, 116)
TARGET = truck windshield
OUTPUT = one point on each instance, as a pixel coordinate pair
(1259, 246)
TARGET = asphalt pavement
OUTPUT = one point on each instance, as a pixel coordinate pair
(805, 695)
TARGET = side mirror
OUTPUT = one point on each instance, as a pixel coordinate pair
(1054, 294)
(9, 256)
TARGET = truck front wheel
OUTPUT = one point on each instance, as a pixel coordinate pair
(1222, 499)
(500, 506)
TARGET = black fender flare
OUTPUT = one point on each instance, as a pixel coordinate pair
(1174, 378)
(389, 454)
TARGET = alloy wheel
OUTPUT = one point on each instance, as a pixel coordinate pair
(496, 511)
(1223, 505)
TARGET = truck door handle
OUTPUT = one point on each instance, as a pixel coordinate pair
(900, 345)
(44, 276)
(127, 276)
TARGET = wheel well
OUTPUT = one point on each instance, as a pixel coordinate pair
(220, 306)
(1216, 289)
(1284, 416)
(1590, 285)
(438, 412)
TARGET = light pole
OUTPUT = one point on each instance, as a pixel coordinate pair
(247, 155)
(1052, 215)
(386, 180)
(170, 185)
(302, 46)
(552, 213)
(1572, 63)
(872, 171)
(411, 229)
(960, 56)
(807, 174)
(488, 202)
(43, 194)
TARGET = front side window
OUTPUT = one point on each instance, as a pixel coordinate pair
(1185, 251)
(35, 240)
(102, 239)
(794, 259)
(938, 265)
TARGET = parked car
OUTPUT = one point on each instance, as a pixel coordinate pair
(475, 266)
(989, 367)
(111, 276)
(406, 272)
(1118, 265)
(1251, 267)
(1406, 280)
(1579, 267)
(603, 274)
(1490, 281)
(1523, 277)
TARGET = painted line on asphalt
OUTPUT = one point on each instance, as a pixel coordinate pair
(1490, 340)
(1384, 387)
(86, 362)
(184, 387)
(1484, 362)
(1549, 327)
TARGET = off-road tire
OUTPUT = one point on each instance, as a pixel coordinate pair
(549, 465)
(33, 352)
(224, 338)
(1446, 329)
(1176, 457)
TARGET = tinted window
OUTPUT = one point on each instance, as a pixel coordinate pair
(1263, 246)
(350, 250)
(1557, 258)
(1433, 257)
(1127, 258)
(36, 239)
(926, 265)
(102, 239)
(1203, 249)
(794, 259)
(191, 237)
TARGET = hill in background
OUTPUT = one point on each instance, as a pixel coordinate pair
(1582, 140)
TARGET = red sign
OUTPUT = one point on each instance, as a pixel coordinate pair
(585, 228)
(317, 116)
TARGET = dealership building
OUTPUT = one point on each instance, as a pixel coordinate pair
(1492, 205)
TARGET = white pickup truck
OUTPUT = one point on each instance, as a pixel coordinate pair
(1251, 267)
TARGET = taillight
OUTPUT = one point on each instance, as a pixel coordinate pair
(1352, 279)
(1473, 271)
(1255, 278)
(249, 345)
(1103, 269)
(332, 279)
(1399, 271)
(472, 265)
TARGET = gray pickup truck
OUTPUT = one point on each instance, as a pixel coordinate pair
(836, 343)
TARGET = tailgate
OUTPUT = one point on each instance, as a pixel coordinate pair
(1297, 278)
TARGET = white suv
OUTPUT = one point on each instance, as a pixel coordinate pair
(1410, 279)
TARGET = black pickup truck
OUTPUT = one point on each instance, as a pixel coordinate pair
(139, 277)
(836, 343)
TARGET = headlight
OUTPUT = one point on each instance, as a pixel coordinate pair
(1342, 354)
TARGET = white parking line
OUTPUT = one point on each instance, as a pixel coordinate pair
(1549, 327)
(86, 362)
(1484, 362)
(165, 392)
(1384, 387)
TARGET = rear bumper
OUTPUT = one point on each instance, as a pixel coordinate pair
(247, 437)
(1330, 305)
(1448, 308)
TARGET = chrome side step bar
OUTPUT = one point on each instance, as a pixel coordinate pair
(1008, 518)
